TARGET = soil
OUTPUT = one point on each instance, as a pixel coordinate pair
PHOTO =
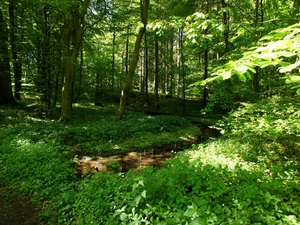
(16, 210)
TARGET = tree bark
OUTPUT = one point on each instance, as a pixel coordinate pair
(144, 5)
(6, 95)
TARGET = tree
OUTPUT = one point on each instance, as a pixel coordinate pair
(71, 40)
(144, 6)
(6, 95)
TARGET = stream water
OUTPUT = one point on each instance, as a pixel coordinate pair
(140, 159)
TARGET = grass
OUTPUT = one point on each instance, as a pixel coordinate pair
(250, 175)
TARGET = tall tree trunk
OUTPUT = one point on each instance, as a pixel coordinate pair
(16, 53)
(46, 59)
(156, 74)
(6, 95)
(171, 86)
(226, 23)
(205, 93)
(182, 70)
(113, 61)
(127, 51)
(255, 78)
(73, 30)
(144, 5)
(80, 74)
(146, 69)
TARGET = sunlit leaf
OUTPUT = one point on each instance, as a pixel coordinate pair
(241, 77)
(289, 68)
(292, 79)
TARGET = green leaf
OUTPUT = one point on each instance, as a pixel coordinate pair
(292, 79)
(144, 194)
(241, 77)
(123, 216)
(196, 90)
(289, 68)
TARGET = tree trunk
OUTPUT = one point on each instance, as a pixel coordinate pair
(113, 61)
(6, 95)
(255, 78)
(171, 86)
(144, 5)
(226, 23)
(72, 31)
(146, 70)
(205, 94)
(182, 70)
(80, 74)
(46, 59)
(156, 73)
(16, 53)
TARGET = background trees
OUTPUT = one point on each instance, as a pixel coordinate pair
(64, 52)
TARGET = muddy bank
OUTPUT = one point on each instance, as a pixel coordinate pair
(140, 159)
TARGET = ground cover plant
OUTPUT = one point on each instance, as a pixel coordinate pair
(247, 176)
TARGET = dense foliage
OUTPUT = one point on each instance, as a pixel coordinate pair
(158, 58)
(247, 176)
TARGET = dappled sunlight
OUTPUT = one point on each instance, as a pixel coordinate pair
(216, 154)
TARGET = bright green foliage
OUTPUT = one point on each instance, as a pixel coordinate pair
(279, 48)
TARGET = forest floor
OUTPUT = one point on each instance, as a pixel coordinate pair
(39, 158)
(16, 210)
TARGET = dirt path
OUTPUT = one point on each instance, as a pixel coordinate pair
(16, 210)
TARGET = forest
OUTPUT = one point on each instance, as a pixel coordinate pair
(149, 112)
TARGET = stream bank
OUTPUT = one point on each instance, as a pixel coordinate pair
(136, 160)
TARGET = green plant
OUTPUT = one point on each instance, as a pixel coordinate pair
(114, 166)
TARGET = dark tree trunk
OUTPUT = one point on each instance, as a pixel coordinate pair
(156, 74)
(113, 62)
(171, 86)
(205, 94)
(16, 53)
(146, 70)
(6, 95)
(182, 71)
(226, 23)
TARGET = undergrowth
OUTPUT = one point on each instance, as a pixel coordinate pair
(250, 175)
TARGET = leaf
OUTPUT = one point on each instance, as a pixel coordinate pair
(123, 216)
(196, 90)
(298, 91)
(241, 77)
(225, 74)
(144, 194)
(241, 69)
(292, 79)
(289, 68)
